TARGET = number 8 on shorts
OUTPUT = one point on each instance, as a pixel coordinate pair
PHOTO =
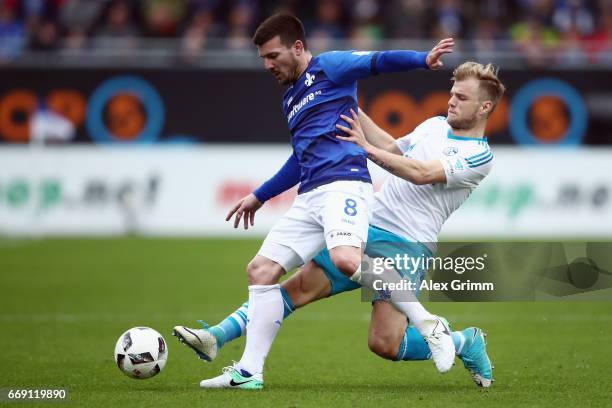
(350, 207)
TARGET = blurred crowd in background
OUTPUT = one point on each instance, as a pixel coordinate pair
(581, 30)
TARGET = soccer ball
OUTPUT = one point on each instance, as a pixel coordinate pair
(141, 352)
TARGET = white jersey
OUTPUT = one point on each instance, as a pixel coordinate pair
(417, 212)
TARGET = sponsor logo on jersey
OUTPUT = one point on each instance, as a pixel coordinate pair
(450, 151)
(309, 79)
(298, 106)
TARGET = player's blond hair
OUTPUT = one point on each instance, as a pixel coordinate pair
(486, 74)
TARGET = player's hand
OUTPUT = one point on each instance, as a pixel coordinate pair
(433, 59)
(355, 132)
(245, 209)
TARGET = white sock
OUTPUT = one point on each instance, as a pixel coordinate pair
(265, 315)
(417, 314)
(404, 300)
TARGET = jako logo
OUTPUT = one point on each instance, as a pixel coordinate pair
(309, 79)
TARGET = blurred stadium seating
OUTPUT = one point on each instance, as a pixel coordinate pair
(522, 32)
(184, 77)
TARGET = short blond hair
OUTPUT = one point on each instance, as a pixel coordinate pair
(486, 74)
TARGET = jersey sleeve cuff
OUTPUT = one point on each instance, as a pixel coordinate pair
(259, 195)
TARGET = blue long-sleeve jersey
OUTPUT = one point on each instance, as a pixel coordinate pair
(312, 106)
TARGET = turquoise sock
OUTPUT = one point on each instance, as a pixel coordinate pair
(234, 325)
(413, 347)
(287, 303)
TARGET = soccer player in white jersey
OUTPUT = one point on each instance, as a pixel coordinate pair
(434, 169)
(332, 207)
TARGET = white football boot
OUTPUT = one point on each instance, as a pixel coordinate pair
(440, 343)
(201, 341)
(232, 377)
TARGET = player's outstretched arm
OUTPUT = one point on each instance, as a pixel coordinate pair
(403, 60)
(375, 135)
(412, 170)
(349, 66)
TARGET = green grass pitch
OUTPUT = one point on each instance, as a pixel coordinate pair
(64, 303)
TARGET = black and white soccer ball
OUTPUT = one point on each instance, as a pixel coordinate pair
(141, 353)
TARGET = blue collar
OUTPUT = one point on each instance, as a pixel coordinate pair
(476, 139)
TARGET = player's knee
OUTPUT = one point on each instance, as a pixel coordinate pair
(383, 346)
(345, 259)
(263, 272)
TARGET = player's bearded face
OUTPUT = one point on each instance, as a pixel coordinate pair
(465, 121)
(463, 104)
(288, 69)
(280, 60)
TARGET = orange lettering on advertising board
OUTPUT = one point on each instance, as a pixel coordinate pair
(548, 118)
(16, 108)
(125, 116)
(69, 104)
(398, 113)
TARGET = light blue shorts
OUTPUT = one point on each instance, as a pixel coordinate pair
(381, 243)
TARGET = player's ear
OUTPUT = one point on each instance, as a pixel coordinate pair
(298, 46)
(486, 108)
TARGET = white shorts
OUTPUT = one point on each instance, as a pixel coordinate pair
(335, 214)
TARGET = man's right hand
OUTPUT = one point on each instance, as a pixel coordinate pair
(246, 207)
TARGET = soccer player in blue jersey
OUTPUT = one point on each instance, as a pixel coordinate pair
(332, 207)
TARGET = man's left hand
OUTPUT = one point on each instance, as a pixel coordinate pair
(434, 58)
